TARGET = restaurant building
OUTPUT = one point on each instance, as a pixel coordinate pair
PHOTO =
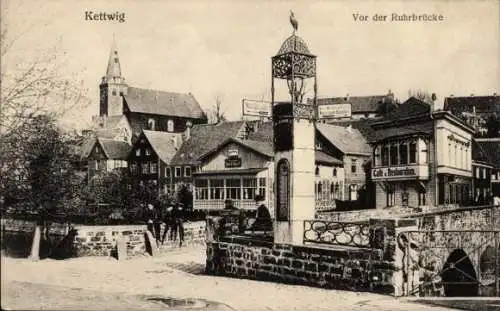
(421, 158)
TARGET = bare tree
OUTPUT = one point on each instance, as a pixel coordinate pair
(424, 96)
(217, 115)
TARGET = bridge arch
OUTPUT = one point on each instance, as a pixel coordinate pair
(459, 276)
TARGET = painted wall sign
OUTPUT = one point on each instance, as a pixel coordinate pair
(334, 111)
(401, 172)
(232, 162)
(256, 108)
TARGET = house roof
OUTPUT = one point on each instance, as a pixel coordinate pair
(261, 147)
(412, 107)
(264, 132)
(86, 147)
(489, 151)
(323, 158)
(347, 139)
(481, 103)
(108, 133)
(114, 150)
(163, 143)
(203, 138)
(363, 126)
(360, 104)
(162, 103)
(425, 128)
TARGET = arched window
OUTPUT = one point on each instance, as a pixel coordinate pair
(376, 156)
(283, 190)
(170, 126)
(151, 124)
(317, 171)
(334, 172)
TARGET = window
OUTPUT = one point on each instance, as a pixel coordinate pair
(390, 197)
(385, 156)
(178, 171)
(167, 172)
(334, 172)
(353, 166)
(113, 92)
(423, 153)
(249, 188)
(138, 152)
(187, 171)
(133, 168)
(394, 154)
(353, 192)
(97, 149)
(262, 187)
(421, 199)
(478, 175)
(170, 126)
(145, 168)
(413, 152)
(201, 186)
(151, 124)
(233, 190)
(376, 156)
(484, 173)
(316, 171)
(216, 189)
(153, 168)
(148, 152)
(403, 153)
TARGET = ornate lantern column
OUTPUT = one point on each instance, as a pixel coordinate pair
(294, 139)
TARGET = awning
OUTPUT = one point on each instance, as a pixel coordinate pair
(246, 171)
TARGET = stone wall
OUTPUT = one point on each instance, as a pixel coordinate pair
(376, 269)
(79, 240)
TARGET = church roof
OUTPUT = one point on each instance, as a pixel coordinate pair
(162, 103)
(114, 69)
(164, 143)
(294, 43)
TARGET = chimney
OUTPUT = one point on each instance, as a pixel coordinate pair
(346, 97)
(471, 94)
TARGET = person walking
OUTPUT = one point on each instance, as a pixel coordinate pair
(180, 217)
(168, 219)
(150, 218)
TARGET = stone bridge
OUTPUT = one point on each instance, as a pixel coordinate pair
(452, 253)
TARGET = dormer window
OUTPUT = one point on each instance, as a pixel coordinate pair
(170, 126)
(151, 124)
(138, 152)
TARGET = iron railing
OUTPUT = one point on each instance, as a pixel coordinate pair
(337, 233)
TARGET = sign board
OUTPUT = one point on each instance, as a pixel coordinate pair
(232, 162)
(256, 108)
(232, 153)
(335, 111)
(401, 172)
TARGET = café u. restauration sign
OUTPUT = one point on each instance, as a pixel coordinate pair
(401, 172)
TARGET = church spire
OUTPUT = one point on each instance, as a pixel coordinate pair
(114, 72)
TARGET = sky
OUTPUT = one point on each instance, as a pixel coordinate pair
(224, 48)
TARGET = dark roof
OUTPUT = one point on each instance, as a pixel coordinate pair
(263, 148)
(114, 150)
(489, 151)
(361, 104)
(425, 128)
(86, 147)
(323, 158)
(164, 143)
(108, 133)
(482, 104)
(412, 107)
(347, 139)
(162, 103)
(264, 132)
(203, 138)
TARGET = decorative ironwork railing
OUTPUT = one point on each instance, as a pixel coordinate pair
(337, 233)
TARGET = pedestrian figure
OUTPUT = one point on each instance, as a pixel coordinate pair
(157, 223)
(263, 218)
(180, 217)
(150, 217)
(168, 219)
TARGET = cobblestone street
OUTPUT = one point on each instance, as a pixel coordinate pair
(104, 283)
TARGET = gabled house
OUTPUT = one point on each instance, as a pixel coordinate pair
(149, 159)
(105, 155)
(490, 155)
(351, 147)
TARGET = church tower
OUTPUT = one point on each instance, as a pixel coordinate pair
(112, 86)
